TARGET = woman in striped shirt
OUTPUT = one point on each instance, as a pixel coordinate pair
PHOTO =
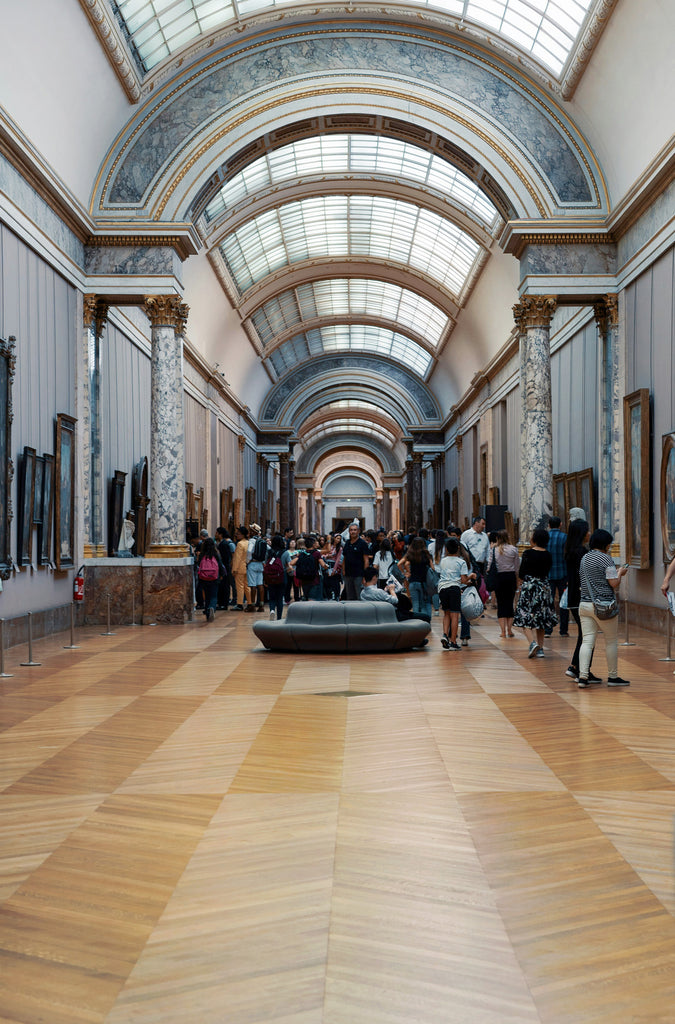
(600, 579)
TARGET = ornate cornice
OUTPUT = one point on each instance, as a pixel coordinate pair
(534, 311)
(114, 46)
(183, 246)
(584, 47)
(166, 311)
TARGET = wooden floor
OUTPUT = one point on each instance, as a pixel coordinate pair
(195, 831)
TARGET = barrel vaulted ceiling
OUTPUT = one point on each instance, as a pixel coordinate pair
(349, 172)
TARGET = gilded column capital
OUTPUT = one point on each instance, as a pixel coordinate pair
(418, 457)
(534, 311)
(94, 313)
(166, 311)
(241, 441)
(284, 458)
(607, 312)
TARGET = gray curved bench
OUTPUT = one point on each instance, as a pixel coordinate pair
(349, 626)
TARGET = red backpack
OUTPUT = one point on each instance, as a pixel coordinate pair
(208, 569)
(273, 571)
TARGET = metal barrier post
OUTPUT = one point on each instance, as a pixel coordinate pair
(109, 633)
(3, 674)
(133, 608)
(668, 638)
(627, 642)
(72, 646)
(30, 663)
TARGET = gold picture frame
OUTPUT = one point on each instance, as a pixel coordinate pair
(637, 477)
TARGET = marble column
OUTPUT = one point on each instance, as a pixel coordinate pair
(613, 385)
(284, 494)
(379, 499)
(168, 316)
(93, 495)
(310, 510)
(417, 513)
(291, 494)
(386, 509)
(459, 444)
(533, 316)
(319, 514)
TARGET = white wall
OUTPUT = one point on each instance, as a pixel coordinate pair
(57, 84)
(215, 329)
(624, 102)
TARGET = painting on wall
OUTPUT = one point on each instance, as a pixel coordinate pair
(64, 492)
(7, 364)
(47, 511)
(668, 496)
(560, 507)
(637, 477)
(26, 501)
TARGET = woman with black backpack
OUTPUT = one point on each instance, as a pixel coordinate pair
(274, 575)
(209, 570)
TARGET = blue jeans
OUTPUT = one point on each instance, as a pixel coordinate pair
(465, 628)
(210, 592)
(421, 602)
(559, 586)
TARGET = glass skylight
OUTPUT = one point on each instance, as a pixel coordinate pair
(349, 297)
(350, 338)
(349, 426)
(354, 154)
(548, 29)
(322, 227)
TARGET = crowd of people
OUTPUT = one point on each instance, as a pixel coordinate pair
(561, 575)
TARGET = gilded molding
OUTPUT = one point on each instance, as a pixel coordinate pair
(168, 551)
(114, 46)
(166, 311)
(534, 311)
(119, 241)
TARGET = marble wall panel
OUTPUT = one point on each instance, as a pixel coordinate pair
(149, 592)
(568, 260)
(167, 593)
(132, 260)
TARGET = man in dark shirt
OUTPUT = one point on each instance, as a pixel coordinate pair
(557, 577)
(356, 558)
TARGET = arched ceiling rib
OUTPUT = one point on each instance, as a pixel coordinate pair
(307, 460)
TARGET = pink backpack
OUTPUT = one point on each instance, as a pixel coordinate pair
(208, 569)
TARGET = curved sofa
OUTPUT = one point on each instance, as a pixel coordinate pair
(349, 626)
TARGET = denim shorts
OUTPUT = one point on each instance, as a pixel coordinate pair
(254, 574)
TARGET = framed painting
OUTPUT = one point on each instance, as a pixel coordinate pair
(116, 511)
(7, 365)
(64, 492)
(560, 496)
(637, 477)
(586, 495)
(47, 503)
(189, 501)
(37, 489)
(26, 500)
(571, 496)
(668, 496)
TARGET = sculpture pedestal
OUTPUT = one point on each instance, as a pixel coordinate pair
(151, 589)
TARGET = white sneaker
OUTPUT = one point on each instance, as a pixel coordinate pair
(273, 616)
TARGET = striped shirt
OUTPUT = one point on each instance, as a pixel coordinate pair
(595, 570)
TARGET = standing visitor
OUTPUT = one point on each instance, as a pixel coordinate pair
(535, 614)
(600, 581)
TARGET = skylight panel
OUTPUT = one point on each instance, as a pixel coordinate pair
(354, 154)
(368, 226)
(352, 338)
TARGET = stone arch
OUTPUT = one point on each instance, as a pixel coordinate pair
(160, 160)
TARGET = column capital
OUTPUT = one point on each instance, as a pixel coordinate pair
(534, 311)
(241, 441)
(284, 457)
(418, 457)
(94, 313)
(166, 311)
(607, 312)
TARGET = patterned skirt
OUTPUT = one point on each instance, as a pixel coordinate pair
(535, 606)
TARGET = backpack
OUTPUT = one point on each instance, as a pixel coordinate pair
(273, 572)
(208, 569)
(306, 566)
(259, 553)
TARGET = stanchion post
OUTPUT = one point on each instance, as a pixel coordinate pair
(3, 674)
(30, 663)
(72, 646)
(109, 633)
(668, 638)
(133, 608)
(627, 642)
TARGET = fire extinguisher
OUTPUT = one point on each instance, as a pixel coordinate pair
(78, 585)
